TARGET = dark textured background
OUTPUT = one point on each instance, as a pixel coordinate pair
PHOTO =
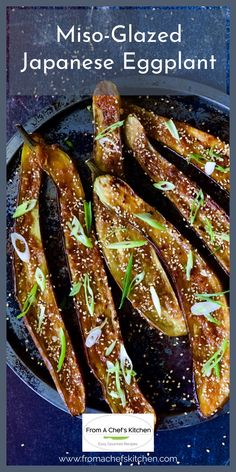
(38, 433)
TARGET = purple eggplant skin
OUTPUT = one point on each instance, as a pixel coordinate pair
(85, 263)
(192, 141)
(206, 337)
(211, 223)
(45, 333)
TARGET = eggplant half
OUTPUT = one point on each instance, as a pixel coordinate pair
(34, 291)
(107, 150)
(199, 148)
(147, 287)
(105, 350)
(208, 220)
(199, 291)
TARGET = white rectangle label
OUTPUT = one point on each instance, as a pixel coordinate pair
(118, 432)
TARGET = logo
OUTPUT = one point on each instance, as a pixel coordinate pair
(118, 432)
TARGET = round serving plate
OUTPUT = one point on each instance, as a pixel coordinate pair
(163, 364)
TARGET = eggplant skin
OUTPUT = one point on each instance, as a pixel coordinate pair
(107, 151)
(192, 140)
(183, 194)
(206, 337)
(84, 261)
(68, 381)
(110, 228)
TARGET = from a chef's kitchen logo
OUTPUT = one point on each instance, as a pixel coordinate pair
(118, 432)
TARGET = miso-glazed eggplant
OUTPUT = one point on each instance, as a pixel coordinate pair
(208, 220)
(158, 270)
(34, 291)
(199, 148)
(199, 291)
(106, 353)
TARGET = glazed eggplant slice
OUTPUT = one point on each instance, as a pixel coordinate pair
(199, 291)
(105, 349)
(34, 291)
(107, 123)
(201, 149)
(208, 220)
(137, 270)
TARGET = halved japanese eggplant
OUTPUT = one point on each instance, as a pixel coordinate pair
(107, 143)
(34, 291)
(199, 291)
(138, 272)
(208, 220)
(196, 146)
(105, 349)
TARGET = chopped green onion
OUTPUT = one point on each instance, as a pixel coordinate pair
(40, 279)
(88, 215)
(211, 153)
(115, 369)
(75, 289)
(196, 205)
(223, 236)
(197, 157)
(89, 107)
(203, 296)
(89, 296)
(41, 316)
(127, 280)
(164, 185)
(155, 299)
(68, 143)
(25, 207)
(147, 218)
(172, 129)
(78, 232)
(225, 170)
(126, 244)
(215, 360)
(109, 129)
(63, 349)
(30, 299)
(110, 348)
(209, 229)
(189, 265)
(205, 309)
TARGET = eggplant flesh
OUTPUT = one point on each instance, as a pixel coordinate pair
(206, 337)
(85, 263)
(192, 142)
(168, 318)
(211, 222)
(106, 111)
(43, 320)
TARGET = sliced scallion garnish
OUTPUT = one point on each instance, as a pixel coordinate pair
(129, 283)
(40, 279)
(155, 299)
(215, 360)
(172, 129)
(24, 207)
(30, 300)
(126, 244)
(222, 236)
(147, 218)
(204, 296)
(224, 170)
(164, 185)
(41, 317)
(78, 232)
(110, 348)
(68, 143)
(75, 289)
(189, 265)
(88, 216)
(89, 296)
(209, 229)
(196, 205)
(109, 129)
(63, 349)
(205, 309)
(115, 369)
